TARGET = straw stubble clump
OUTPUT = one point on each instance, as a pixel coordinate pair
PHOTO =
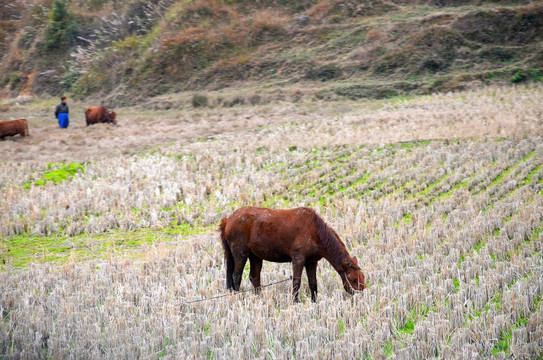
(448, 234)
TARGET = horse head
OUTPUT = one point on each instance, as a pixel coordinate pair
(353, 278)
(113, 117)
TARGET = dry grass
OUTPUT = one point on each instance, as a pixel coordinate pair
(448, 232)
(490, 112)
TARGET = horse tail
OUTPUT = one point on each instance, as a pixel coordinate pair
(228, 257)
(87, 112)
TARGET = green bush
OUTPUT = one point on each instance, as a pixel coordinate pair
(95, 4)
(323, 73)
(524, 75)
(535, 75)
(88, 83)
(14, 79)
(69, 79)
(199, 100)
(518, 77)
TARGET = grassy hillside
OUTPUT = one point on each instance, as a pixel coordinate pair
(127, 51)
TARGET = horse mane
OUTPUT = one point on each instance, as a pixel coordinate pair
(337, 252)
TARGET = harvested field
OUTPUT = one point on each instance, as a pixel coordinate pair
(440, 197)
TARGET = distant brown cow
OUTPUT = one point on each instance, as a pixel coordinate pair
(14, 127)
(99, 114)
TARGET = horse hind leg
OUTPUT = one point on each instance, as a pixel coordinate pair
(256, 268)
(239, 265)
(229, 260)
(228, 257)
(236, 243)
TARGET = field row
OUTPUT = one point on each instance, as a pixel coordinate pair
(157, 191)
(449, 235)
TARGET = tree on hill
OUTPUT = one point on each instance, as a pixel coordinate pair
(61, 28)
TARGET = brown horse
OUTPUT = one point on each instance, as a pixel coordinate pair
(297, 235)
(14, 127)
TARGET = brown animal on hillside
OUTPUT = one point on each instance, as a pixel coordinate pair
(296, 235)
(99, 114)
(14, 127)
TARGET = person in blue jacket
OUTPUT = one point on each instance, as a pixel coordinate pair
(61, 113)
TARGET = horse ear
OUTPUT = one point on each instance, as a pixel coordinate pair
(355, 260)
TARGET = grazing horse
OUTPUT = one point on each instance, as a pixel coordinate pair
(14, 127)
(296, 235)
(100, 114)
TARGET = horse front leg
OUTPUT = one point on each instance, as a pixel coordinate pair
(311, 270)
(256, 268)
(297, 269)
